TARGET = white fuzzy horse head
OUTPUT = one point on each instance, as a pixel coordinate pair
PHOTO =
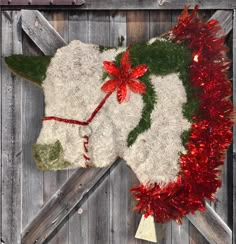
(73, 90)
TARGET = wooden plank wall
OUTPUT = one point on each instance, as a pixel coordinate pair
(119, 5)
(106, 215)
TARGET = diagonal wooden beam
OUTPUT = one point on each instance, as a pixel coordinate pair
(63, 202)
(211, 226)
(41, 32)
(225, 18)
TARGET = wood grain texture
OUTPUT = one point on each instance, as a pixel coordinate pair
(79, 225)
(137, 26)
(153, 4)
(32, 178)
(11, 148)
(222, 198)
(118, 29)
(180, 233)
(160, 22)
(195, 237)
(98, 214)
(41, 32)
(211, 226)
(41, 2)
(63, 202)
(118, 5)
(119, 209)
(234, 129)
(29, 47)
(1, 63)
(225, 18)
(78, 26)
(99, 28)
(32, 112)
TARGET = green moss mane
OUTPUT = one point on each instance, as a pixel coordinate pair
(162, 58)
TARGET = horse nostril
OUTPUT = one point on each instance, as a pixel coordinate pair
(49, 156)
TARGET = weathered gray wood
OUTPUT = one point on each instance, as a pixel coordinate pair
(154, 4)
(234, 129)
(211, 226)
(118, 29)
(1, 63)
(160, 22)
(99, 25)
(225, 18)
(41, 2)
(220, 204)
(98, 214)
(58, 208)
(180, 233)
(32, 178)
(120, 222)
(79, 26)
(32, 112)
(11, 149)
(137, 26)
(136, 4)
(41, 32)
(195, 237)
(29, 47)
(79, 225)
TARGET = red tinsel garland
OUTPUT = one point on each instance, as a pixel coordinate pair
(210, 132)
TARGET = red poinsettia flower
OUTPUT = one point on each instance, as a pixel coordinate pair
(123, 77)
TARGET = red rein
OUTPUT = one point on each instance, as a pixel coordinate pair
(83, 123)
(77, 122)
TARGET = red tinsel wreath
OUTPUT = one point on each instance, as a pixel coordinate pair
(210, 131)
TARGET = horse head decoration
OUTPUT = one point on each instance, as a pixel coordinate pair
(75, 93)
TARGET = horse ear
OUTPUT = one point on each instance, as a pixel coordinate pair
(31, 68)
